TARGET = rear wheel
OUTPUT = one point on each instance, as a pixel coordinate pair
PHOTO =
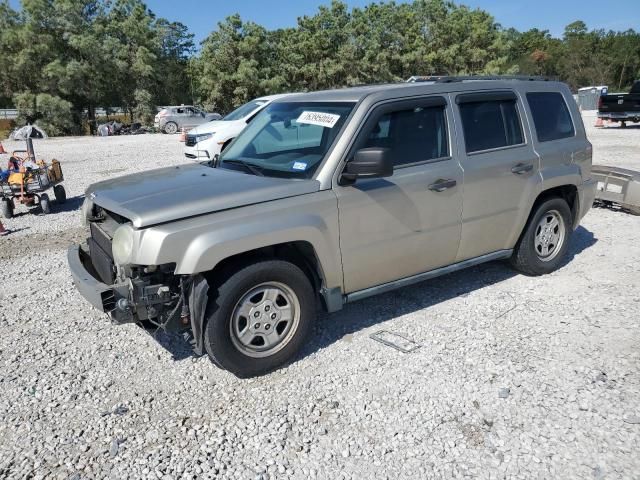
(60, 194)
(45, 204)
(545, 241)
(170, 127)
(261, 316)
(6, 208)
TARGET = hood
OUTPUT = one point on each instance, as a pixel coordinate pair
(174, 193)
(209, 127)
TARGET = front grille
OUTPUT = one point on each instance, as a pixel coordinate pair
(101, 238)
(190, 141)
(100, 249)
(102, 262)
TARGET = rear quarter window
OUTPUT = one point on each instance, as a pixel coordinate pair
(551, 116)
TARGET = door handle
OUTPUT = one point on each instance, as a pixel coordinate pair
(521, 168)
(441, 185)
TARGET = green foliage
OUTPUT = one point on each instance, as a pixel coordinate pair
(381, 42)
(107, 53)
(144, 110)
(51, 113)
(93, 53)
(388, 42)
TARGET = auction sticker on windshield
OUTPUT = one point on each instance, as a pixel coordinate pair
(299, 166)
(318, 118)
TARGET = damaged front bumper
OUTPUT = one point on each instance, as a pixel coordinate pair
(171, 305)
(129, 301)
(102, 296)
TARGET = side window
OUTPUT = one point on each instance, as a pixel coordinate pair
(413, 135)
(490, 124)
(550, 116)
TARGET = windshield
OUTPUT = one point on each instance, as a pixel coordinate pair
(244, 110)
(287, 139)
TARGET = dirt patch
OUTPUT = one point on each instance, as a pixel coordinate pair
(25, 245)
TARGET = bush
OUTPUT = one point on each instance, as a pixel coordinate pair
(6, 126)
(145, 109)
(52, 114)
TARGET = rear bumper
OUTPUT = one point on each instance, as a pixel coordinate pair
(619, 115)
(586, 196)
(105, 298)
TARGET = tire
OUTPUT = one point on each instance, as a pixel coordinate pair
(45, 204)
(60, 194)
(170, 128)
(239, 326)
(6, 208)
(541, 251)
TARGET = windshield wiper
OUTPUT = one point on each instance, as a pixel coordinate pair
(250, 167)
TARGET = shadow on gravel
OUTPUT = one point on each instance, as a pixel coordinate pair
(363, 314)
(72, 203)
(581, 239)
(369, 312)
(628, 127)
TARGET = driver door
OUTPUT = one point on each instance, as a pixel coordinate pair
(409, 223)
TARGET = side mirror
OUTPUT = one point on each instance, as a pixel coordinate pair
(373, 162)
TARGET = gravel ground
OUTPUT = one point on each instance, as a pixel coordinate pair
(515, 377)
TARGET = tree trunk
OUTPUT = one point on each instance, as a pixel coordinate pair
(624, 66)
(92, 120)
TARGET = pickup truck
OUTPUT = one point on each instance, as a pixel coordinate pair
(327, 198)
(621, 107)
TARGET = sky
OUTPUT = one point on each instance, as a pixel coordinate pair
(202, 16)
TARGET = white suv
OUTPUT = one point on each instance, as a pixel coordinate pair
(208, 140)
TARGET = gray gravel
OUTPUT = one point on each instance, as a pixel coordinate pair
(80, 398)
(614, 145)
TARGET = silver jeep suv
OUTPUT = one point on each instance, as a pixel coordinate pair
(330, 197)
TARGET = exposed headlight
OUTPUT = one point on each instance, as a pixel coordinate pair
(122, 245)
(204, 136)
(87, 207)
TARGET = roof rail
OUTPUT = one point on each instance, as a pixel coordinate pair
(451, 79)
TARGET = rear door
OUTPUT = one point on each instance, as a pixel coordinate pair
(192, 117)
(500, 168)
(409, 223)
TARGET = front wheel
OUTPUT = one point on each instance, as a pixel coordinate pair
(260, 317)
(6, 208)
(60, 194)
(45, 204)
(545, 241)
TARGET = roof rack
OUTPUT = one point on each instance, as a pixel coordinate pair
(451, 79)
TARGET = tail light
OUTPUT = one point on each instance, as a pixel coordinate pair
(600, 102)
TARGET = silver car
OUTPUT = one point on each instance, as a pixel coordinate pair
(173, 119)
(330, 197)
